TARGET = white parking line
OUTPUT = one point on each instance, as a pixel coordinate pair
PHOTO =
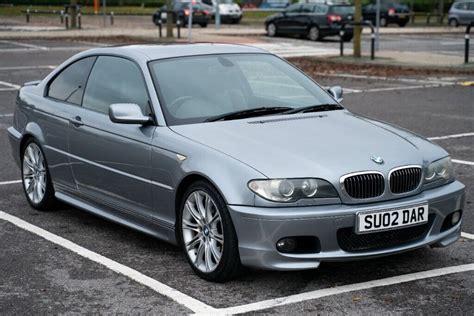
(10, 182)
(451, 136)
(6, 115)
(467, 236)
(10, 85)
(28, 67)
(347, 288)
(30, 46)
(463, 162)
(163, 289)
(408, 80)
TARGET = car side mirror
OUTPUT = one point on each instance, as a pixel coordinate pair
(127, 113)
(336, 93)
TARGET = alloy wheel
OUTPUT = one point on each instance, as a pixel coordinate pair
(314, 33)
(271, 30)
(202, 231)
(34, 173)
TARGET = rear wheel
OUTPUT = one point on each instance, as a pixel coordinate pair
(203, 24)
(272, 30)
(403, 23)
(453, 23)
(207, 234)
(313, 33)
(36, 179)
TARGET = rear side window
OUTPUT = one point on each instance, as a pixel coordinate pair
(307, 8)
(115, 80)
(294, 8)
(462, 6)
(342, 9)
(69, 85)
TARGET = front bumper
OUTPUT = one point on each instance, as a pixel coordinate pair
(258, 229)
(15, 140)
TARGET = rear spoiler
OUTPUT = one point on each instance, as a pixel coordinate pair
(31, 83)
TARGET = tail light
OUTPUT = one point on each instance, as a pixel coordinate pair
(186, 12)
(334, 18)
(205, 12)
(391, 11)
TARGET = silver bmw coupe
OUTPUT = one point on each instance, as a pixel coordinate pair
(234, 155)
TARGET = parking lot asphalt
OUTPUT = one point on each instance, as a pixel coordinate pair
(53, 276)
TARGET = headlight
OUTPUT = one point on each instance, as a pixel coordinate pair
(440, 170)
(292, 190)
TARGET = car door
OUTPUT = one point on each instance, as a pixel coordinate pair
(111, 162)
(304, 18)
(288, 22)
(63, 94)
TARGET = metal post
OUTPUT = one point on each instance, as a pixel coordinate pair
(159, 27)
(66, 20)
(341, 39)
(178, 25)
(61, 16)
(377, 25)
(103, 12)
(112, 18)
(27, 15)
(466, 47)
(79, 24)
(190, 20)
(372, 48)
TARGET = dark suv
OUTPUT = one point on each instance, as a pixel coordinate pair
(391, 12)
(312, 20)
(181, 13)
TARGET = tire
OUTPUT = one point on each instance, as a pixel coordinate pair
(36, 179)
(348, 38)
(402, 24)
(383, 22)
(314, 34)
(272, 30)
(203, 24)
(453, 22)
(211, 259)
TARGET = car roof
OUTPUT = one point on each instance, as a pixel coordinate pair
(154, 52)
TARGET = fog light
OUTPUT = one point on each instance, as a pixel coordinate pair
(455, 217)
(286, 245)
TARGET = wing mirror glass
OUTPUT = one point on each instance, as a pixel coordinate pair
(127, 113)
(336, 93)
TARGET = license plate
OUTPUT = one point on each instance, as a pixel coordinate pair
(402, 15)
(197, 13)
(163, 15)
(373, 221)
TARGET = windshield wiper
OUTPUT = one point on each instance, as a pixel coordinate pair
(249, 113)
(316, 108)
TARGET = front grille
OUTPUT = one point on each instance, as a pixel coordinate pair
(349, 241)
(405, 180)
(364, 186)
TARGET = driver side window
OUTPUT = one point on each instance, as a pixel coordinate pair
(295, 8)
(115, 80)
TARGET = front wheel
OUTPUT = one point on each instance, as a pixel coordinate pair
(272, 30)
(207, 234)
(36, 179)
(453, 23)
(313, 33)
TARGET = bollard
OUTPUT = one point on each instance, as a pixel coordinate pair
(61, 16)
(341, 40)
(372, 48)
(178, 24)
(112, 18)
(66, 20)
(79, 25)
(159, 27)
(466, 45)
(27, 15)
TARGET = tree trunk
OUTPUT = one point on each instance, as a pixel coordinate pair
(357, 28)
(73, 7)
(441, 11)
(169, 18)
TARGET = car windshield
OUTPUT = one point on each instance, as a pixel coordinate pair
(197, 88)
(342, 9)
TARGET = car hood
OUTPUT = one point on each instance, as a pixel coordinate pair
(325, 144)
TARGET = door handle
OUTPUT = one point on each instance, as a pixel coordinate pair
(76, 121)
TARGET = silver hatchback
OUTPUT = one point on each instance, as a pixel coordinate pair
(268, 170)
(461, 13)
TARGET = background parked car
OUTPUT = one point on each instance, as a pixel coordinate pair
(181, 12)
(461, 12)
(391, 12)
(314, 20)
(229, 11)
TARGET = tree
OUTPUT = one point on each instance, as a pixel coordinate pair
(169, 18)
(357, 27)
(73, 7)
